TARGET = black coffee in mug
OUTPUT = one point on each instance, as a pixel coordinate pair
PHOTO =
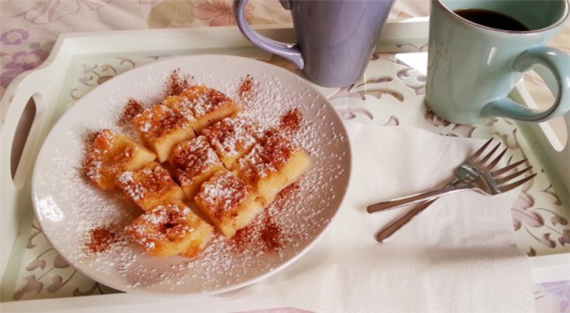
(491, 19)
(475, 58)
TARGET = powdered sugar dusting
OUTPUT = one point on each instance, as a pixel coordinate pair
(134, 190)
(298, 218)
(163, 223)
(233, 135)
(223, 193)
(193, 157)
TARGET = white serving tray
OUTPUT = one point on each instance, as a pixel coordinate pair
(91, 58)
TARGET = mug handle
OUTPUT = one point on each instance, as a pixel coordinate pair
(559, 64)
(290, 52)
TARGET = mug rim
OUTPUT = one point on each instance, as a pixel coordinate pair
(514, 32)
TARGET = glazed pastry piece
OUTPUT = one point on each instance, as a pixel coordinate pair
(161, 128)
(182, 106)
(232, 137)
(110, 154)
(150, 186)
(272, 165)
(170, 229)
(206, 105)
(229, 203)
(194, 161)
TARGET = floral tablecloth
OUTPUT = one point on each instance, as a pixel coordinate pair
(29, 28)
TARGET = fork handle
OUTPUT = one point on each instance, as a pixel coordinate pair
(392, 228)
(429, 195)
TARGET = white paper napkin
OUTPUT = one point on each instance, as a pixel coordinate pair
(458, 255)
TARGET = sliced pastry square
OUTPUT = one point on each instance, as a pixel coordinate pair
(232, 137)
(161, 128)
(109, 154)
(150, 186)
(208, 105)
(272, 165)
(170, 229)
(228, 202)
(194, 161)
(182, 106)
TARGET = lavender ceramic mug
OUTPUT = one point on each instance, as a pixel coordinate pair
(335, 38)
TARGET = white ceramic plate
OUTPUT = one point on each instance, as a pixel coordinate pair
(67, 206)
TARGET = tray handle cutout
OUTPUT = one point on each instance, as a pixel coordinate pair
(23, 112)
(23, 141)
(555, 130)
(550, 139)
(23, 121)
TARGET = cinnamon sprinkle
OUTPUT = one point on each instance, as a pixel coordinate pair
(242, 239)
(246, 94)
(291, 120)
(132, 109)
(270, 235)
(264, 233)
(175, 83)
(245, 85)
(90, 137)
(284, 195)
(99, 240)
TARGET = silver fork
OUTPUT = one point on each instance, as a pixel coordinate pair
(463, 172)
(478, 175)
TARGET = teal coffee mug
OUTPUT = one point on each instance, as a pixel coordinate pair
(479, 50)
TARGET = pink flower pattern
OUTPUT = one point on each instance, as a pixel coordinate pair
(14, 36)
(220, 12)
(47, 11)
(20, 62)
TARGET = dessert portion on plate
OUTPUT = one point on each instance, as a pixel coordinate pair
(150, 186)
(202, 166)
(169, 229)
(194, 162)
(110, 154)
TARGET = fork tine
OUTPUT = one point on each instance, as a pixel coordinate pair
(516, 184)
(494, 162)
(481, 163)
(478, 152)
(507, 168)
(505, 179)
